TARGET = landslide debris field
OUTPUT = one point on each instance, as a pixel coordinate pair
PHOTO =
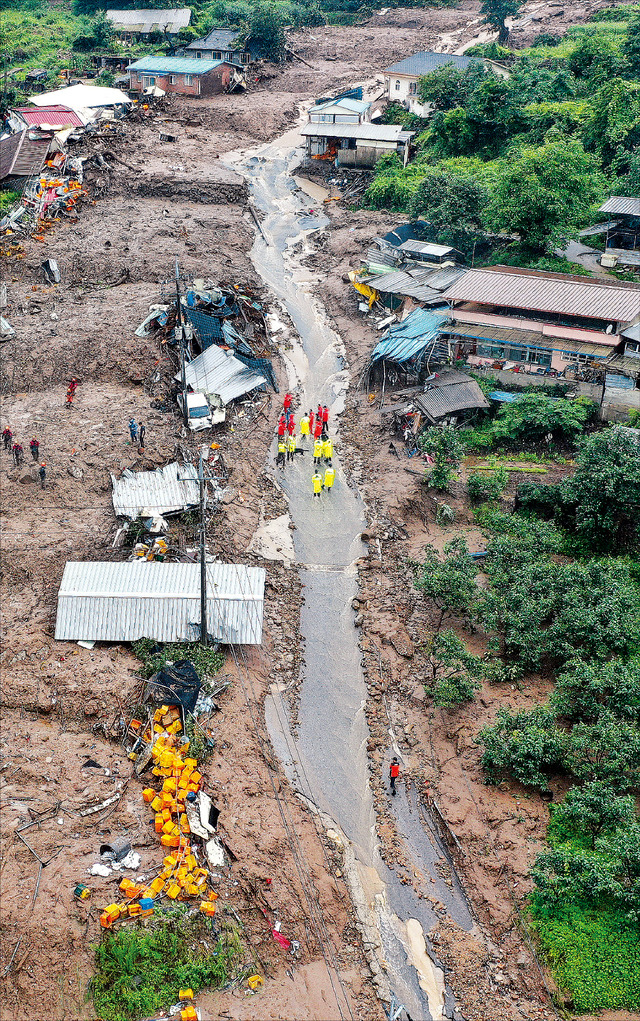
(149, 203)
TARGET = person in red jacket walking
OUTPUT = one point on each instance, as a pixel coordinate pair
(317, 431)
(287, 401)
(281, 427)
(394, 773)
(312, 419)
(325, 417)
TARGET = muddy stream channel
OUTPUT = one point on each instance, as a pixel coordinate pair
(326, 760)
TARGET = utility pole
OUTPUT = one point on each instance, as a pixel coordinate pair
(180, 331)
(203, 564)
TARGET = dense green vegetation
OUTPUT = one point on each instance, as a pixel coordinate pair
(530, 156)
(141, 970)
(560, 595)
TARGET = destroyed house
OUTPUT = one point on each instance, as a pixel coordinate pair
(219, 44)
(180, 74)
(356, 145)
(141, 23)
(530, 319)
(23, 154)
(345, 110)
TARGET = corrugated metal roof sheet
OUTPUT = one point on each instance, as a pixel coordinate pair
(82, 97)
(558, 293)
(421, 284)
(632, 333)
(22, 155)
(621, 204)
(164, 491)
(170, 19)
(446, 400)
(425, 248)
(54, 116)
(427, 61)
(174, 65)
(352, 105)
(366, 132)
(411, 337)
(122, 602)
(219, 372)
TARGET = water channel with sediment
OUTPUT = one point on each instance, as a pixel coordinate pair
(326, 760)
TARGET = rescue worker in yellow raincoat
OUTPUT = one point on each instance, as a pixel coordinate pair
(282, 450)
(327, 449)
(318, 447)
(329, 478)
(316, 482)
(305, 428)
(292, 445)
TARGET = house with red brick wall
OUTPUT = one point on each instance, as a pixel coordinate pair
(179, 74)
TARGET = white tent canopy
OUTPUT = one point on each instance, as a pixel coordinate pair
(82, 97)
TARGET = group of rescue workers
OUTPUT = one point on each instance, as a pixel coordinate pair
(314, 430)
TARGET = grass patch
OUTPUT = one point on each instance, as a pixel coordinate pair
(594, 956)
(154, 656)
(141, 970)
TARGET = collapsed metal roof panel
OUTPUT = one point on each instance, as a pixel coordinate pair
(625, 205)
(22, 155)
(410, 337)
(425, 248)
(164, 491)
(447, 399)
(122, 602)
(49, 116)
(219, 372)
(557, 293)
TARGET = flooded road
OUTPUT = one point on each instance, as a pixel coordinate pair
(326, 760)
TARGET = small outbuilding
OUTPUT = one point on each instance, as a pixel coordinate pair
(219, 44)
(144, 22)
(356, 145)
(183, 75)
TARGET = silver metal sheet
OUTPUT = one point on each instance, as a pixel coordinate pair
(122, 602)
(164, 491)
(219, 372)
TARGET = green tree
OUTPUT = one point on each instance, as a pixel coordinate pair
(587, 689)
(524, 745)
(487, 485)
(454, 672)
(445, 446)
(631, 47)
(266, 31)
(605, 490)
(591, 810)
(614, 122)
(450, 583)
(596, 58)
(546, 193)
(564, 875)
(607, 750)
(497, 11)
(448, 86)
(534, 416)
(624, 848)
(453, 204)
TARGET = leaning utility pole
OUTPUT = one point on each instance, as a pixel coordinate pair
(203, 563)
(180, 333)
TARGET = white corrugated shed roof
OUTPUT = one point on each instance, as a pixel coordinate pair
(122, 602)
(143, 19)
(628, 205)
(164, 491)
(82, 97)
(219, 372)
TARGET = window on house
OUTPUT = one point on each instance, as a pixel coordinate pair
(147, 81)
(575, 358)
(397, 85)
(198, 55)
(216, 55)
(188, 79)
(172, 79)
(413, 88)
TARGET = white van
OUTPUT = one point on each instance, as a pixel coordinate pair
(200, 415)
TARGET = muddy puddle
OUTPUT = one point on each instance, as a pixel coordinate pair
(326, 760)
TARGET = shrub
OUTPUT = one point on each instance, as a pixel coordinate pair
(445, 446)
(450, 583)
(487, 485)
(525, 745)
(455, 672)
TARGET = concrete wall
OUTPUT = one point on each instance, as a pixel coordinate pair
(207, 84)
(399, 91)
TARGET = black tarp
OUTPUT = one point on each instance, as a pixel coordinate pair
(177, 684)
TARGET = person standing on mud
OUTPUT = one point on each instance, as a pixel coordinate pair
(133, 430)
(394, 773)
(281, 426)
(327, 450)
(316, 482)
(304, 427)
(18, 454)
(317, 431)
(34, 447)
(142, 431)
(317, 451)
(325, 418)
(7, 436)
(43, 474)
(282, 450)
(329, 478)
(292, 446)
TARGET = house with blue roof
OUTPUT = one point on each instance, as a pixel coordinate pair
(183, 75)
(401, 79)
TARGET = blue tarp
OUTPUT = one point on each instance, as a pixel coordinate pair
(410, 338)
(209, 327)
(503, 397)
(262, 365)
